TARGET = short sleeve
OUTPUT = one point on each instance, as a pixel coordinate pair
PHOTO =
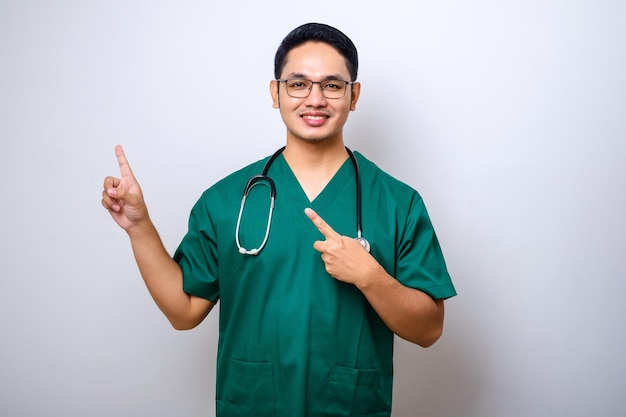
(197, 255)
(420, 263)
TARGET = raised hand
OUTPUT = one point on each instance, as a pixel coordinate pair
(344, 257)
(122, 197)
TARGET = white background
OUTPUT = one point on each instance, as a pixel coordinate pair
(508, 116)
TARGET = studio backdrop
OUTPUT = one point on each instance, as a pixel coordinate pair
(507, 116)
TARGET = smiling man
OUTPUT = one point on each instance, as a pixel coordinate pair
(308, 313)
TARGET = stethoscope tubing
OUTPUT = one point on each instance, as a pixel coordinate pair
(263, 178)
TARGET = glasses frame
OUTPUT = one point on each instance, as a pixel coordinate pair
(286, 80)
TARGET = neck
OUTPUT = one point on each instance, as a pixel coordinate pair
(315, 155)
(315, 163)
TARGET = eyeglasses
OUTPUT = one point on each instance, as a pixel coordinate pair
(300, 88)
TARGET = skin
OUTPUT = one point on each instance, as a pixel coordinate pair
(314, 151)
(314, 145)
(409, 313)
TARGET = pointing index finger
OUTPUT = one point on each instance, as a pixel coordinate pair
(123, 162)
(322, 226)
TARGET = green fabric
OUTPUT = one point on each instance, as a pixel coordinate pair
(293, 340)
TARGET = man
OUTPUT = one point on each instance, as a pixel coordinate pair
(307, 314)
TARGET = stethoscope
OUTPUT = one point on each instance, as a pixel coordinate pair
(263, 178)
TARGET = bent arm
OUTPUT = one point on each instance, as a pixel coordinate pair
(411, 314)
(123, 199)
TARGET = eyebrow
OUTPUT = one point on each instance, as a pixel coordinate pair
(300, 76)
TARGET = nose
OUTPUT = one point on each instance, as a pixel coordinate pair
(316, 98)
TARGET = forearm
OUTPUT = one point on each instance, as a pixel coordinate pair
(411, 314)
(163, 277)
(123, 199)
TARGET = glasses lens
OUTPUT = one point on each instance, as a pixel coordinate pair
(333, 88)
(299, 88)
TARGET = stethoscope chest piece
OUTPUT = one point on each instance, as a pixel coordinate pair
(363, 243)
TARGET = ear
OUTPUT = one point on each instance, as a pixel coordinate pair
(274, 94)
(356, 92)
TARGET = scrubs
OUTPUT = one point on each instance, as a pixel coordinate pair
(293, 340)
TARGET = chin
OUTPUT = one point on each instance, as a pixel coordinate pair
(309, 138)
(317, 137)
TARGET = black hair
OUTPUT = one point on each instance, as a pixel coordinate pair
(321, 33)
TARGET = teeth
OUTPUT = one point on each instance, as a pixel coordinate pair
(315, 117)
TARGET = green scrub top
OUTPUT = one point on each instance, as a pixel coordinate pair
(294, 341)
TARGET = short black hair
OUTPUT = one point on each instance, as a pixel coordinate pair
(318, 32)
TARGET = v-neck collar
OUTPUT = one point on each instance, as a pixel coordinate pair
(292, 187)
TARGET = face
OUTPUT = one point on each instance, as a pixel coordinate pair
(314, 118)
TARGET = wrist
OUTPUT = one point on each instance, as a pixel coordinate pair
(373, 278)
(141, 229)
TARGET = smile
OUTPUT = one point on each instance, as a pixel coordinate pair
(315, 120)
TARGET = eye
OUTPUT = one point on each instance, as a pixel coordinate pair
(297, 84)
(333, 85)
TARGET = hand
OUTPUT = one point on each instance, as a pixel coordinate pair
(410, 313)
(344, 257)
(122, 197)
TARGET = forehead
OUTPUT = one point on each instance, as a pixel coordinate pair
(315, 59)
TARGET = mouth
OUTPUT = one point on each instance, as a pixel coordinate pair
(314, 120)
(314, 117)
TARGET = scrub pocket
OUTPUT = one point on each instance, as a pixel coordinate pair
(354, 392)
(248, 390)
